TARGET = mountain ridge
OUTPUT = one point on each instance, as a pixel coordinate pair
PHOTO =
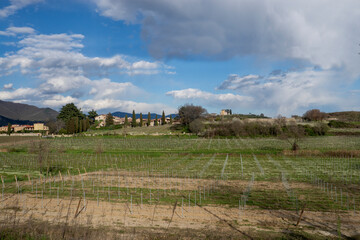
(26, 112)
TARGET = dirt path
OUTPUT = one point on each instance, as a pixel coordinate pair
(120, 215)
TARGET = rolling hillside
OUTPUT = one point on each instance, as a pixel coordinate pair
(25, 112)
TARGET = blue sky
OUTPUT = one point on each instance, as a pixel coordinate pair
(271, 57)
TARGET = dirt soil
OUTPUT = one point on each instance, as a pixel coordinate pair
(158, 217)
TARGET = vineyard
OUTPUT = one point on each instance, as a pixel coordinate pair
(183, 187)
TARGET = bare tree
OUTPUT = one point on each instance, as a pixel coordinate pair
(292, 133)
(189, 113)
(314, 115)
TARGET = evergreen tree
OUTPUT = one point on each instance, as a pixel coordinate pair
(76, 122)
(80, 126)
(149, 119)
(156, 121)
(87, 124)
(71, 125)
(9, 129)
(92, 115)
(126, 121)
(133, 122)
(171, 120)
(163, 120)
(109, 120)
(141, 120)
(69, 111)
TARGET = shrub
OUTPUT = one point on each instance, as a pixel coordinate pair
(196, 126)
(340, 124)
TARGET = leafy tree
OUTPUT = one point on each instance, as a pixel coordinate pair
(149, 119)
(92, 115)
(189, 113)
(133, 122)
(171, 120)
(69, 111)
(9, 129)
(109, 120)
(141, 120)
(163, 120)
(126, 122)
(156, 121)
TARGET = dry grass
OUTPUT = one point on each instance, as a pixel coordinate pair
(332, 153)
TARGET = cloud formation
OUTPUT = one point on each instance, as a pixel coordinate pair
(280, 93)
(13, 31)
(224, 29)
(16, 5)
(66, 75)
(210, 99)
(320, 38)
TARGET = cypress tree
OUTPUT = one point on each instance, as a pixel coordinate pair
(149, 119)
(163, 120)
(76, 122)
(80, 126)
(9, 129)
(141, 120)
(133, 122)
(71, 125)
(109, 120)
(156, 121)
(171, 120)
(126, 121)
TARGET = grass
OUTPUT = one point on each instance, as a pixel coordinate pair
(173, 168)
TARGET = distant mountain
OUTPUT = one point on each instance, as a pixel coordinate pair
(145, 115)
(25, 112)
(4, 121)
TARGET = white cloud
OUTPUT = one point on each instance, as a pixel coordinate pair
(105, 88)
(8, 86)
(57, 56)
(18, 94)
(58, 101)
(13, 31)
(16, 5)
(211, 99)
(66, 75)
(286, 93)
(124, 105)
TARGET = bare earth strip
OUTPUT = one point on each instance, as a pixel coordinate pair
(125, 215)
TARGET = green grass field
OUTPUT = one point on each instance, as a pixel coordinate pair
(247, 174)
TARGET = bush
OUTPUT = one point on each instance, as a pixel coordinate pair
(196, 126)
(319, 129)
(340, 124)
(62, 131)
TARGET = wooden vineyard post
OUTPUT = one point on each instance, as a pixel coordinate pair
(17, 184)
(3, 187)
(302, 211)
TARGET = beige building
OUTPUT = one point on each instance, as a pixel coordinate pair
(18, 128)
(225, 112)
(40, 127)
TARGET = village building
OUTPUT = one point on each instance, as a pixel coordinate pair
(225, 112)
(37, 127)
